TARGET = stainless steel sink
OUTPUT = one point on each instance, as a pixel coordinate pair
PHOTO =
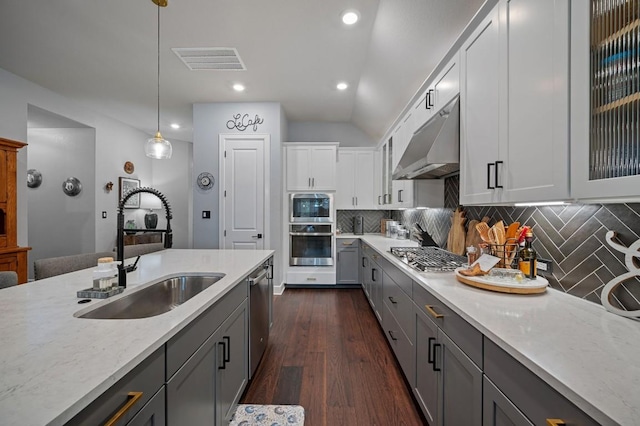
(156, 299)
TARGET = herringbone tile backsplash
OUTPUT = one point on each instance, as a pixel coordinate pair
(571, 236)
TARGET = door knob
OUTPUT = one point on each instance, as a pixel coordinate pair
(257, 236)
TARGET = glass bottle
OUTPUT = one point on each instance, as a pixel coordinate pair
(528, 262)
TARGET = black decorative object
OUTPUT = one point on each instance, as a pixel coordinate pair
(151, 220)
(72, 186)
(242, 122)
(205, 180)
(34, 178)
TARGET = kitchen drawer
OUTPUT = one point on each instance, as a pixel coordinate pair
(534, 397)
(400, 305)
(154, 413)
(187, 341)
(147, 377)
(347, 242)
(401, 345)
(399, 277)
(460, 331)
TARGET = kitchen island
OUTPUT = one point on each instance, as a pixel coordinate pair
(588, 355)
(53, 364)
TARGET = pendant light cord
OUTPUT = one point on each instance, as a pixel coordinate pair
(158, 69)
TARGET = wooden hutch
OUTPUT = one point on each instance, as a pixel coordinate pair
(12, 257)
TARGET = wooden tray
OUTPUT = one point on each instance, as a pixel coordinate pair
(539, 285)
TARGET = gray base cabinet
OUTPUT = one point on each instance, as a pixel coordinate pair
(348, 255)
(232, 366)
(152, 414)
(210, 383)
(426, 387)
(372, 280)
(460, 385)
(498, 410)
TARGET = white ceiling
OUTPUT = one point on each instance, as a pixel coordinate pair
(102, 54)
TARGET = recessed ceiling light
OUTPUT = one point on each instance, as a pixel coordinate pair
(342, 86)
(175, 126)
(350, 17)
(238, 87)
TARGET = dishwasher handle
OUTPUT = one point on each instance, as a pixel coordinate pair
(255, 280)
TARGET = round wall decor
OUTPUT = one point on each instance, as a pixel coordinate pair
(128, 167)
(34, 178)
(72, 186)
(205, 180)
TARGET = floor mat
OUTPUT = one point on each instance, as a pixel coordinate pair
(271, 415)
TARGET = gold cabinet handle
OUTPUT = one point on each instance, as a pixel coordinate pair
(133, 398)
(433, 313)
(555, 422)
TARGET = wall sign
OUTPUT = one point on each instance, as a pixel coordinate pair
(242, 122)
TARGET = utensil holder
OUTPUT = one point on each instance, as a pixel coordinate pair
(507, 253)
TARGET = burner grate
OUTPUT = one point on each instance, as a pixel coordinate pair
(429, 259)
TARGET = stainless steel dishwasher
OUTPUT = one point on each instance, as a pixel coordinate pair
(260, 294)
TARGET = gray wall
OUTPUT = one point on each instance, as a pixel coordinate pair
(209, 121)
(346, 133)
(116, 143)
(50, 232)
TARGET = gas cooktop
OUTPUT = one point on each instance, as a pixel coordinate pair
(429, 259)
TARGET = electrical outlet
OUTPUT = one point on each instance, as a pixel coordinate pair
(104, 215)
(545, 266)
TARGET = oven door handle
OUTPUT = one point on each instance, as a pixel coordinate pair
(311, 234)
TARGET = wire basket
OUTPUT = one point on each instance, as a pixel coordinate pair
(507, 253)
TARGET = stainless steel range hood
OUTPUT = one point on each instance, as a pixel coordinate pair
(434, 150)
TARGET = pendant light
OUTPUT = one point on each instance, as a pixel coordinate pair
(157, 147)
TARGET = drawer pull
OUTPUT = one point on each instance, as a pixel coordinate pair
(433, 313)
(392, 336)
(555, 422)
(133, 397)
(392, 300)
(347, 244)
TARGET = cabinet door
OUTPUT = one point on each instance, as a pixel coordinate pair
(403, 192)
(323, 168)
(447, 83)
(480, 91)
(232, 367)
(423, 109)
(364, 181)
(461, 385)
(376, 289)
(153, 413)
(191, 392)
(426, 387)
(498, 410)
(536, 150)
(377, 178)
(347, 265)
(346, 172)
(298, 172)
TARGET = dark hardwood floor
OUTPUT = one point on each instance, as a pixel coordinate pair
(327, 353)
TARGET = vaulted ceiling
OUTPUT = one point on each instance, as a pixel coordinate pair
(102, 54)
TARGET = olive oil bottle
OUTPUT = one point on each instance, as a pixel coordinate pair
(528, 262)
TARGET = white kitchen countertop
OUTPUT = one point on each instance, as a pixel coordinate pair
(589, 355)
(53, 364)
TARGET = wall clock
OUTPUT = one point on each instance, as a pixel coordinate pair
(205, 180)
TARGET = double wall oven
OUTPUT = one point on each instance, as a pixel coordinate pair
(311, 229)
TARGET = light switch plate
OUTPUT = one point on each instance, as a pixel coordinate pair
(206, 214)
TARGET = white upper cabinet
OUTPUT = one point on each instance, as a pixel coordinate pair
(536, 150)
(356, 178)
(605, 118)
(480, 88)
(514, 105)
(311, 167)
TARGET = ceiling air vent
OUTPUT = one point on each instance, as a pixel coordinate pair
(210, 58)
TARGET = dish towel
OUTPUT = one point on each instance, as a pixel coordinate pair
(268, 415)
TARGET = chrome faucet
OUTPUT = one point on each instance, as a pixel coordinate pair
(168, 239)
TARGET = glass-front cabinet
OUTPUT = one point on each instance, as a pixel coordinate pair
(606, 99)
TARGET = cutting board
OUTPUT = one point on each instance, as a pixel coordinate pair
(457, 234)
(473, 236)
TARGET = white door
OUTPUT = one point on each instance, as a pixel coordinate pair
(245, 170)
